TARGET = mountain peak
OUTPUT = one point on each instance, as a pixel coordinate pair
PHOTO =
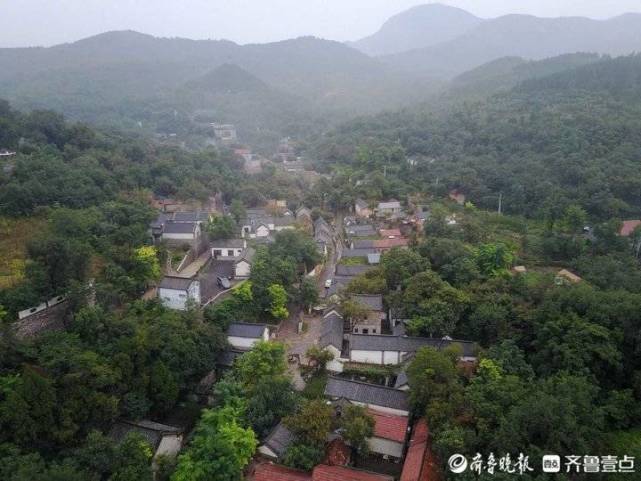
(420, 26)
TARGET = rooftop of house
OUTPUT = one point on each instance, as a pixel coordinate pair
(245, 329)
(390, 243)
(355, 228)
(373, 302)
(389, 426)
(228, 357)
(331, 331)
(190, 217)
(390, 204)
(279, 439)
(153, 432)
(274, 472)
(351, 253)
(366, 393)
(361, 204)
(570, 276)
(628, 227)
(228, 243)
(373, 258)
(401, 380)
(363, 244)
(323, 472)
(171, 227)
(363, 342)
(415, 458)
(247, 255)
(351, 271)
(175, 283)
(390, 233)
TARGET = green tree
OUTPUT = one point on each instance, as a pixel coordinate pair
(278, 302)
(266, 359)
(237, 210)
(494, 259)
(358, 427)
(219, 449)
(311, 423)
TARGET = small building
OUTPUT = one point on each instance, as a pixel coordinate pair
(417, 464)
(362, 209)
(164, 440)
(179, 233)
(360, 230)
(395, 350)
(628, 227)
(225, 134)
(390, 208)
(390, 233)
(374, 259)
(244, 336)
(276, 442)
(457, 196)
(176, 292)
(331, 338)
(565, 277)
(227, 248)
(243, 264)
(190, 216)
(384, 399)
(374, 317)
(390, 432)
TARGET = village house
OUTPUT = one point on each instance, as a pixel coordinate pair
(383, 399)
(360, 230)
(244, 336)
(243, 263)
(390, 233)
(177, 292)
(331, 339)
(394, 350)
(245, 154)
(227, 247)
(457, 196)
(164, 440)
(390, 433)
(628, 227)
(322, 472)
(276, 443)
(372, 323)
(565, 277)
(262, 226)
(177, 234)
(419, 464)
(362, 209)
(374, 259)
(390, 208)
(225, 134)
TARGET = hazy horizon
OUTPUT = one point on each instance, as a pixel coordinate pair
(243, 21)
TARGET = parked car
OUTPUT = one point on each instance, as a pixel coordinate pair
(224, 283)
(328, 283)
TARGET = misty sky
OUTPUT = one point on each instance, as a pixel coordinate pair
(48, 22)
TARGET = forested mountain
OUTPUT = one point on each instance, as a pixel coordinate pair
(507, 72)
(571, 137)
(123, 76)
(522, 36)
(418, 27)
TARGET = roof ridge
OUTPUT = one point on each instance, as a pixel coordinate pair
(366, 383)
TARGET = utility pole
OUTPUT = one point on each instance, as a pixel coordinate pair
(500, 203)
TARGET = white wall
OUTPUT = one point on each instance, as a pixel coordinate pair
(224, 251)
(367, 357)
(262, 231)
(170, 445)
(173, 299)
(178, 236)
(383, 409)
(241, 342)
(386, 446)
(242, 269)
(391, 357)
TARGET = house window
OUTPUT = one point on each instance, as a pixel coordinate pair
(217, 252)
(230, 253)
(373, 331)
(365, 331)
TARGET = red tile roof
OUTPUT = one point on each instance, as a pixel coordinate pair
(415, 458)
(274, 472)
(389, 426)
(628, 227)
(338, 453)
(390, 232)
(339, 473)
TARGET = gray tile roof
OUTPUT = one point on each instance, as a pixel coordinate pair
(247, 255)
(366, 393)
(363, 244)
(351, 253)
(175, 283)
(361, 342)
(401, 380)
(352, 271)
(279, 439)
(243, 329)
(151, 431)
(332, 331)
(191, 217)
(228, 243)
(226, 358)
(371, 301)
(179, 227)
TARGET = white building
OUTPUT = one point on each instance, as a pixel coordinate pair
(243, 264)
(227, 248)
(391, 208)
(386, 400)
(244, 336)
(177, 233)
(331, 339)
(176, 292)
(164, 440)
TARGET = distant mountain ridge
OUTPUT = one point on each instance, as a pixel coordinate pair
(418, 27)
(463, 42)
